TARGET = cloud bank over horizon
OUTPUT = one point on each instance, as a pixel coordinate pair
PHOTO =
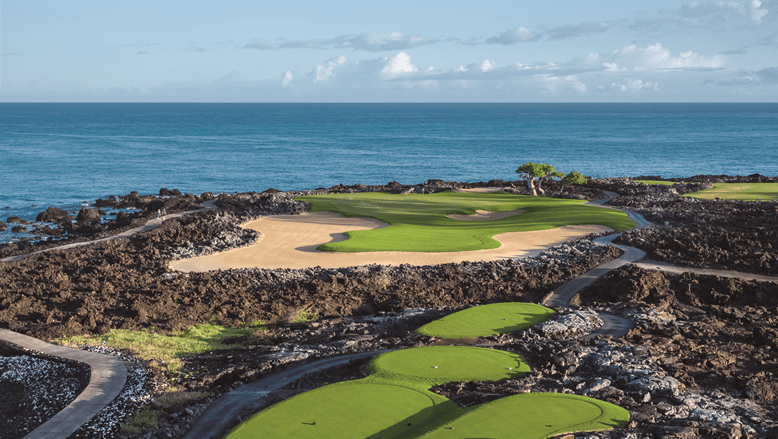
(695, 51)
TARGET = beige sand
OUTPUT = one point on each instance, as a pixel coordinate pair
(290, 241)
(484, 215)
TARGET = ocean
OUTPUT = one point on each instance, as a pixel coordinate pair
(66, 154)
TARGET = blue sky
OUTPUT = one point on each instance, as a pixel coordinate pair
(399, 51)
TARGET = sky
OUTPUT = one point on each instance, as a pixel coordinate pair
(398, 51)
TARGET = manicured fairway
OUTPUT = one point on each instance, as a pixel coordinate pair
(393, 402)
(739, 191)
(656, 182)
(486, 320)
(420, 223)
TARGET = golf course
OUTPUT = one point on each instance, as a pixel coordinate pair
(435, 222)
(394, 400)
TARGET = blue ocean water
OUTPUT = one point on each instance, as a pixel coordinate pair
(63, 154)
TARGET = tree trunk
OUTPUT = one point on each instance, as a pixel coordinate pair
(531, 186)
(539, 189)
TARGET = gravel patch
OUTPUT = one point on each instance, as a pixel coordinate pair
(40, 387)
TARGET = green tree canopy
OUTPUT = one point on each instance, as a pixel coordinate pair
(573, 178)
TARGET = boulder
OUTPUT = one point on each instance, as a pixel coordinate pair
(3, 226)
(13, 219)
(19, 229)
(87, 215)
(52, 214)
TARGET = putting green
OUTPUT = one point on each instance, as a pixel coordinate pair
(533, 416)
(432, 365)
(394, 401)
(352, 409)
(486, 320)
(739, 191)
(420, 223)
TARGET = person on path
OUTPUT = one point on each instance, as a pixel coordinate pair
(158, 213)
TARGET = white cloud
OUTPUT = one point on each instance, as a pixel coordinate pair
(513, 36)
(577, 30)
(287, 78)
(487, 65)
(398, 65)
(655, 57)
(371, 42)
(323, 72)
(612, 67)
(634, 85)
(558, 83)
(752, 9)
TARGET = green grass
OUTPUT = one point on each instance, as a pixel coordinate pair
(166, 351)
(394, 402)
(656, 182)
(487, 320)
(739, 191)
(434, 365)
(147, 417)
(305, 315)
(533, 416)
(419, 223)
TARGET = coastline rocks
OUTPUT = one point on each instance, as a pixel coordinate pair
(3, 226)
(52, 215)
(15, 219)
(86, 215)
(19, 229)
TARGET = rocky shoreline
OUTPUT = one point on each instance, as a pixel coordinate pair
(701, 362)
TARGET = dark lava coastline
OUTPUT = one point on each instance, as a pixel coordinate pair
(701, 362)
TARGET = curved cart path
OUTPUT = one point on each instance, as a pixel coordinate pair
(150, 225)
(107, 374)
(106, 380)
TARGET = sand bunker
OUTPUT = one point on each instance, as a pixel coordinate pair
(483, 215)
(290, 241)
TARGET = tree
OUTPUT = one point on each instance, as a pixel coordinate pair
(530, 171)
(573, 178)
(548, 173)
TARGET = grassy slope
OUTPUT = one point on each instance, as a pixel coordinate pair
(739, 191)
(486, 320)
(419, 223)
(167, 350)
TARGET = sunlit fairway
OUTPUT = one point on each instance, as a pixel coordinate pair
(739, 191)
(420, 223)
(394, 402)
(657, 182)
(486, 320)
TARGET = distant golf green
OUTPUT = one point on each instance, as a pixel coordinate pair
(486, 320)
(420, 223)
(656, 182)
(739, 191)
(393, 402)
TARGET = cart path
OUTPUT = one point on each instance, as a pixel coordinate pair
(150, 225)
(106, 380)
(108, 374)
